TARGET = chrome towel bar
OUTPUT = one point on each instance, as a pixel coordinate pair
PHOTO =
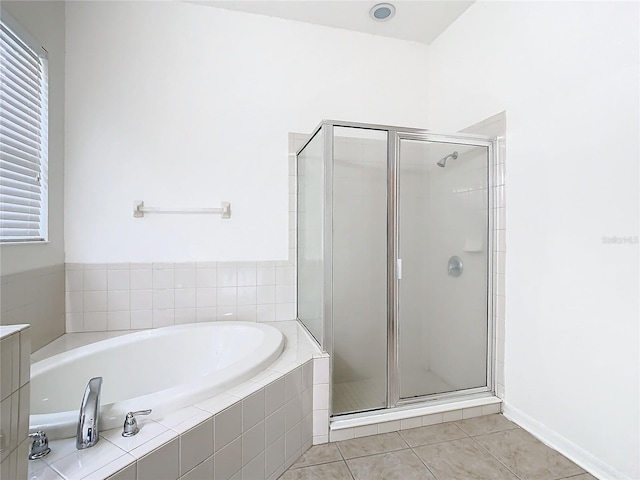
(139, 209)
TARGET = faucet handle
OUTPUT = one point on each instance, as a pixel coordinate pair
(40, 446)
(130, 427)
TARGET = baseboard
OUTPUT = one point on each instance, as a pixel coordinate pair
(573, 452)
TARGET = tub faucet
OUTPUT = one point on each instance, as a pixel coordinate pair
(88, 433)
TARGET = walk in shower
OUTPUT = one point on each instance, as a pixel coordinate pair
(394, 262)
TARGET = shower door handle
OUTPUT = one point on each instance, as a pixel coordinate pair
(399, 268)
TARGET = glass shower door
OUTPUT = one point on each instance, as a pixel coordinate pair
(359, 270)
(442, 312)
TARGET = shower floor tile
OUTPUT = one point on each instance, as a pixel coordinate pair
(484, 448)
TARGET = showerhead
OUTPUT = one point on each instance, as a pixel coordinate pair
(442, 162)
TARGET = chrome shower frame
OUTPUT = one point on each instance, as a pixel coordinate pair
(394, 135)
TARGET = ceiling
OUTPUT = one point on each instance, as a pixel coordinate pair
(418, 21)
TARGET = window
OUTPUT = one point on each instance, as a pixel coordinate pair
(23, 135)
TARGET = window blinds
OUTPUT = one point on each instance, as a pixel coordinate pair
(23, 140)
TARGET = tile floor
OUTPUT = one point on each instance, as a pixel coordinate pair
(481, 448)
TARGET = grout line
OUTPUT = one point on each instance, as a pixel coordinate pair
(340, 451)
(318, 465)
(496, 458)
(426, 465)
(378, 453)
(293, 467)
(497, 431)
(349, 470)
(424, 462)
(455, 424)
(438, 443)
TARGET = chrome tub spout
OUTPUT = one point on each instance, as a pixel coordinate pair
(88, 434)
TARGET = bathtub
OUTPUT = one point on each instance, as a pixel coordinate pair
(163, 369)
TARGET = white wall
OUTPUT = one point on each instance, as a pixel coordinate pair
(32, 283)
(567, 75)
(45, 22)
(181, 104)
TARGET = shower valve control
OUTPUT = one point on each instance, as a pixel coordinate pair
(130, 427)
(454, 266)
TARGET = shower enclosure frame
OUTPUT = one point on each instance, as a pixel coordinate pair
(394, 135)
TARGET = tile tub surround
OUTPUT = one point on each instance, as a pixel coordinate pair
(35, 297)
(255, 430)
(489, 447)
(15, 348)
(133, 296)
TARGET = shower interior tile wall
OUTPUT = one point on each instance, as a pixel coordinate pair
(496, 126)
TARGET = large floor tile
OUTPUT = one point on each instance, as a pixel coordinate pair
(485, 424)
(443, 432)
(399, 465)
(358, 447)
(462, 460)
(326, 471)
(526, 456)
(318, 454)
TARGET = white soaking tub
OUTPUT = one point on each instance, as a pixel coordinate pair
(163, 369)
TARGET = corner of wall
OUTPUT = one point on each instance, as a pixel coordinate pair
(551, 438)
(32, 274)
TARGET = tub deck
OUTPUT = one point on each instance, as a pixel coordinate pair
(259, 428)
